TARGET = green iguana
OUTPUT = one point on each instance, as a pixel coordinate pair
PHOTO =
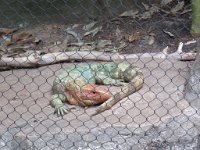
(85, 85)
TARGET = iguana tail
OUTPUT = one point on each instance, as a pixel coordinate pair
(127, 90)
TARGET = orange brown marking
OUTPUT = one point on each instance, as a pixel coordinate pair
(89, 95)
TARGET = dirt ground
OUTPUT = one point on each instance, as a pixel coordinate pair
(140, 35)
(27, 116)
(177, 25)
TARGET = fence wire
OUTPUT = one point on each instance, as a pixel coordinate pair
(73, 57)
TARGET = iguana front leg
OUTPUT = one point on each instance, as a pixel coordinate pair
(57, 102)
(60, 95)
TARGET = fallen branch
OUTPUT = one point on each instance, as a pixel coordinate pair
(188, 56)
(37, 60)
(176, 56)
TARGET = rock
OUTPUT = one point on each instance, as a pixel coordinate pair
(177, 133)
(20, 142)
(192, 88)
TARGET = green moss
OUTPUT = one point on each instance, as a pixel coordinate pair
(195, 29)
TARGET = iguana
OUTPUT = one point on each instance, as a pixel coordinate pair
(85, 85)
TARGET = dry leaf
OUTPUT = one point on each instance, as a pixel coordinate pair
(130, 13)
(148, 14)
(152, 34)
(178, 7)
(21, 37)
(102, 43)
(185, 11)
(69, 49)
(36, 40)
(119, 35)
(75, 26)
(54, 26)
(169, 33)
(190, 42)
(87, 48)
(70, 31)
(116, 49)
(118, 32)
(165, 2)
(94, 31)
(145, 15)
(154, 9)
(80, 44)
(7, 38)
(145, 6)
(151, 40)
(6, 31)
(134, 37)
(2, 49)
(89, 26)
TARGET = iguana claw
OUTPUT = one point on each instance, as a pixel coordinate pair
(60, 111)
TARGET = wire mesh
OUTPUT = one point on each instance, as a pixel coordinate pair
(58, 47)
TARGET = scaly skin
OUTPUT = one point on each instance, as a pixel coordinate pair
(134, 78)
(85, 85)
(89, 95)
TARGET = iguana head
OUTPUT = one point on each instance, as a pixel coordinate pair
(91, 94)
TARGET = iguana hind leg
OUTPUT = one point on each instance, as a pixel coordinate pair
(135, 77)
(106, 80)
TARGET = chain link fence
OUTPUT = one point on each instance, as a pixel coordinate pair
(77, 41)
